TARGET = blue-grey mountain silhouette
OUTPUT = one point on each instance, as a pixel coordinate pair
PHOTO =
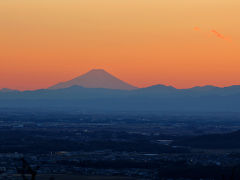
(98, 90)
(7, 90)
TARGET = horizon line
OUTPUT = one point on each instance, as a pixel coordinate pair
(163, 85)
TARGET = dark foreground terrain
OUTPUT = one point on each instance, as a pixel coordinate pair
(79, 177)
(123, 145)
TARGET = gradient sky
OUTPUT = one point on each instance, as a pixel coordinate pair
(182, 43)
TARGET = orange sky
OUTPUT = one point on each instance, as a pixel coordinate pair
(182, 43)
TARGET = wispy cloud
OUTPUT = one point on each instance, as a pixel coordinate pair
(219, 35)
(214, 32)
(196, 28)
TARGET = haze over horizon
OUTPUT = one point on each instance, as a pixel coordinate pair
(100, 78)
(144, 42)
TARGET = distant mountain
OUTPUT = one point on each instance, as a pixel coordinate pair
(96, 78)
(7, 90)
(105, 98)
(213, 90)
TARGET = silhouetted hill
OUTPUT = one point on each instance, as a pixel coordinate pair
(7, 90)
(213, 90)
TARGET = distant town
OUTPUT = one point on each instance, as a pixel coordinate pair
(131, 145)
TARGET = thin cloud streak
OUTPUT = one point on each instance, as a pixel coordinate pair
(219, 35)
(214, 32)
(196, 28)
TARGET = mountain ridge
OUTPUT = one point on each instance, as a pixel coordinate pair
(158, 98)
(7, 90)
(105, 92)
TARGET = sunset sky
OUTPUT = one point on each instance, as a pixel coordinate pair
(182, 43)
